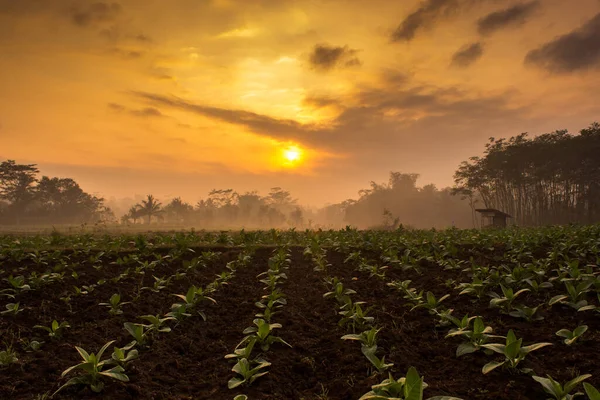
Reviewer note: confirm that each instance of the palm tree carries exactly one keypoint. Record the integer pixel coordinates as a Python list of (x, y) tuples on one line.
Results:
[(134, 213), (149, 207)]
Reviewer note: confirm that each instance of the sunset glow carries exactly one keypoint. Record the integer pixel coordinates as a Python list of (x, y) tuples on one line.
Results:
[(247, 94)]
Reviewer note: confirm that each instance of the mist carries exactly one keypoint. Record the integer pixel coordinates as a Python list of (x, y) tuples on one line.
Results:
[(552, 178)]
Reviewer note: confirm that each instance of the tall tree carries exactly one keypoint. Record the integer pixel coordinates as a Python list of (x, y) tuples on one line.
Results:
[(17, 186), (150, 207)]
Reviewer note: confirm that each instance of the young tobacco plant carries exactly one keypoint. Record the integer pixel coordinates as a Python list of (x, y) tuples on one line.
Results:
[(505, 301), (12, 309), (338, 292), (475, 337), (55, 330), (409, 387), (528, 313), (263, 332), (558, 391), (246, 373), (139, 333), (114, 304), (353, 315), (512, 351), (193, 297), (8, 357), (156, 323), (575, 297), (121, 356), (243, 352), (430, 303), (571, 337), (368, 347), (93, 370)]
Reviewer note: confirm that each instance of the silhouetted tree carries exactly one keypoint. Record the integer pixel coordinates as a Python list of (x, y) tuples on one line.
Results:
[(553, 178), (17, 186), (150, 207)]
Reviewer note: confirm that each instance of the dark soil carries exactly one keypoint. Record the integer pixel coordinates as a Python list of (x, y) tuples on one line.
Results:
[(189, 363)]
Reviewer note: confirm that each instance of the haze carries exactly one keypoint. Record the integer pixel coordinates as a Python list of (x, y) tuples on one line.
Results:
[(178, 98)]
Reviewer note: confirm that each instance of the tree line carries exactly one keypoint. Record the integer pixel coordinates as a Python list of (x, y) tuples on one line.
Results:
[(25, 199), (553, 178)]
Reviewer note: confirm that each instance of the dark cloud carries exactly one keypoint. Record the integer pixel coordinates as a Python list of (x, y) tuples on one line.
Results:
[(317, 101), (147, 112), (95, 13), (512, 16), (575, 51), (143, 38), (262, 124), (116, 107), (324, 57), (142, 112), (467, 55), (424, 17), (126, 54)]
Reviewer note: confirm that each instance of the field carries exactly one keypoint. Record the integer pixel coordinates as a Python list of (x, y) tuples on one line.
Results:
[(300, 315)]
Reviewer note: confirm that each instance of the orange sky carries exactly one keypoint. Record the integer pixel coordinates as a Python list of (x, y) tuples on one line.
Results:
[(179, 97)]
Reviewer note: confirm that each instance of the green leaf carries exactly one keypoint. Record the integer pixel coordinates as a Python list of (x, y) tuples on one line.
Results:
[(491, 366), (591, 391), (580, 330), (413, 386), (569, 386), (116, 373), (533, 347), (465, 348), (495, 347), (547, 384)]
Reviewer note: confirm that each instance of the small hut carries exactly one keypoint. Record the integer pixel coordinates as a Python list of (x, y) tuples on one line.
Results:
[(492, 218)]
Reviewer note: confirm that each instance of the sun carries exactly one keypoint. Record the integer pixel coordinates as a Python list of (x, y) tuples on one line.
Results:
[(292, 153)]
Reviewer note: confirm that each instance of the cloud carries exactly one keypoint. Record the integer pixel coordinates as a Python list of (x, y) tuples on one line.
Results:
[(94, 13), (258, 123), (147, 112), (379, 117), (424, 17), (512, 16), (324, 57), (318, 101), (116, 107), (467, 55), (575, 51)]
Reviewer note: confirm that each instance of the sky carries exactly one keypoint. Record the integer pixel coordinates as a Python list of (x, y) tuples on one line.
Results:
[(179, 97)]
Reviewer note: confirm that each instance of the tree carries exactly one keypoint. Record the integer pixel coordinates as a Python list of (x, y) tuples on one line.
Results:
[(149, 208), (553, 178), (178, 210), (17, 186)]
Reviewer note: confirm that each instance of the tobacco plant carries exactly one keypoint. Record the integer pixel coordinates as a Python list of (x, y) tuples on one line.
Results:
[(55, 330), (512, 351), (558, 391), (246, 373), (409, 387), (12, 309), (571, 337), (115, 304), (476, 337), (93, 368), (8, 357), (263, 332)]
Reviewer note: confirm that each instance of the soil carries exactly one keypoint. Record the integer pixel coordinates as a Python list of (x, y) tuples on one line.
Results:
[(189, 363)]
